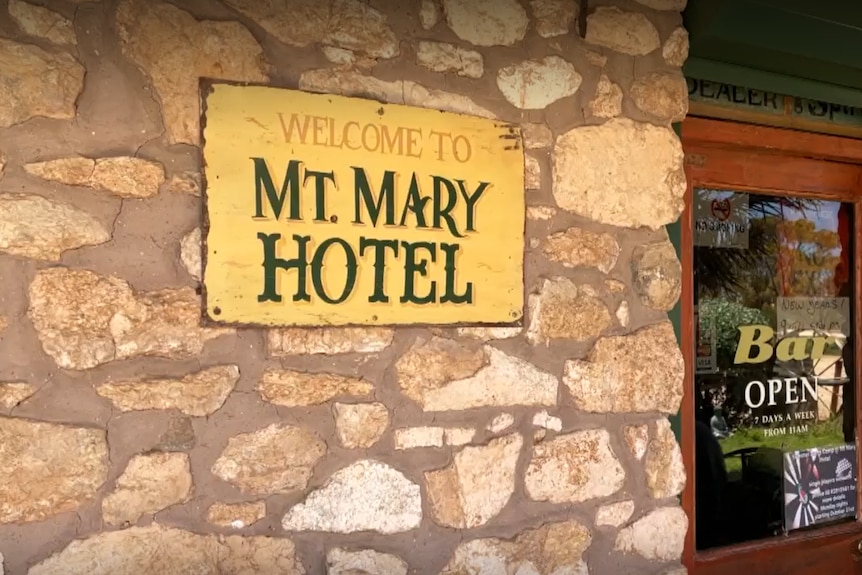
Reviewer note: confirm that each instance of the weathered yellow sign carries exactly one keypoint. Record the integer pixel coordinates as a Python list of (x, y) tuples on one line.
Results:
[(326, 210)]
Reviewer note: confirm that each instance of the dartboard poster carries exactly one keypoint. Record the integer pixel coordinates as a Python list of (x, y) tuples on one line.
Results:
[(819, 485)]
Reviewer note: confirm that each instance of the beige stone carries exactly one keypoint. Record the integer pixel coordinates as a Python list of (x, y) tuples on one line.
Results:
[(174, 49), (413, 437), (416, 437), (443, 57), (615, 514), (190, 253), (420, 96), (198, 394), (501, 423), (627, 32), (444, 375), (4, 322), (339, 56), (565, 310), (554, 17), (341, 561), (185, 183), (298, 389), (574, 467), (547, 421), (365, 496), (663, 95), (236, 515), (327, 340), (430, 363), (169, 551), (657, 275), (622, 173), (429, 14), (477, 485), (675, 49), (540, 213), (487, 22), (577, 247), (676, 5), (42, 23), (38, 228), (279, 458), (458, 436), (123, 176), (637, 438), (532, 173), (640, 372), (14, 392), (353, 83), (658, 536), (608, 99), (615, 286), (2, 164), (536, 84), (47, 469), (112, 322), (37, 83), (150, 483), (623, 314), (360, 425), (350, 24), (536, 136), (489, 333), (347, 58), (596, 59), (552, 549), (663, 465)]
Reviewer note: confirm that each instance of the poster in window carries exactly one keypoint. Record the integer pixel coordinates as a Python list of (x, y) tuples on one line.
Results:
[(819, 485)]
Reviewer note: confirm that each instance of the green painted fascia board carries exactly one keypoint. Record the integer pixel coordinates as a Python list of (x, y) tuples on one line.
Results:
[(821, 40), (783, 38), (771, 82)]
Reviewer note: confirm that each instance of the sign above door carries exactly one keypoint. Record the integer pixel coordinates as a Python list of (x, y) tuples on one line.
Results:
[(726, 101)]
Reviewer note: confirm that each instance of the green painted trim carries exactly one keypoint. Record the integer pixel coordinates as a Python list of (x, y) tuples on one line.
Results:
[(674, 232), (770, 82)]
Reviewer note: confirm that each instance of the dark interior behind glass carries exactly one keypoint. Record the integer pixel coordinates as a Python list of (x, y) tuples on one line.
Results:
[(773, 383)]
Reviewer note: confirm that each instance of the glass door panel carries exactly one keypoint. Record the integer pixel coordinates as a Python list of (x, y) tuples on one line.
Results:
[(775, 438)]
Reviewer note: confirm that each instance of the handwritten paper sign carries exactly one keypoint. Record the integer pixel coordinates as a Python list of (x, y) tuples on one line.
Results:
[(327, 210), (819, 314)]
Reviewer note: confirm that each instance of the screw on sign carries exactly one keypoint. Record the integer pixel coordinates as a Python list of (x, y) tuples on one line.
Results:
[(720, 209)]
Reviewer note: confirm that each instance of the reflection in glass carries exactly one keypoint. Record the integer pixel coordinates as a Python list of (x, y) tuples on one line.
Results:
[(775, 413)]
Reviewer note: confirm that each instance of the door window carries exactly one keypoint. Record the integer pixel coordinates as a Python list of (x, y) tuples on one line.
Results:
[(773, 364)]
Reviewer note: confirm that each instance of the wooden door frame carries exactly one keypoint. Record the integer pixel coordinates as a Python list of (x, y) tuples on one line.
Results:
[(815, 165)]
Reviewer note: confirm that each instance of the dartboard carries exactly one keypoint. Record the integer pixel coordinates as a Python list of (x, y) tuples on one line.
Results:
[(799, 499)]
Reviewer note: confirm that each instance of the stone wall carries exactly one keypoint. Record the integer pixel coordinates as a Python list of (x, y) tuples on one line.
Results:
[(134, 441)]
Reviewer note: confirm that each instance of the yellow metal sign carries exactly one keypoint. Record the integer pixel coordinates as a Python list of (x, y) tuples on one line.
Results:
[(327, 210)]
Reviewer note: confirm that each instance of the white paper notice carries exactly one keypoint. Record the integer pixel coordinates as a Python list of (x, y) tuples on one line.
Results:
[(721, 219)]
